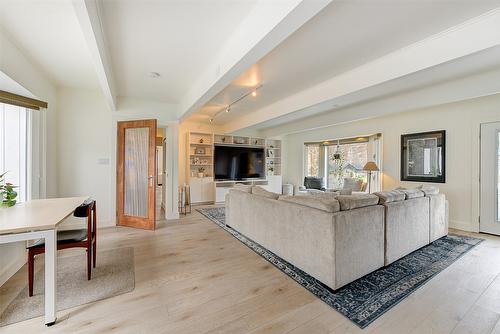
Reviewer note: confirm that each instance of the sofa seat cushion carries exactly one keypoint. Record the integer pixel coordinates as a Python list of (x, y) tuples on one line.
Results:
[(390, 196), (259, 191), (324, 204), (350, 202), (411, 193)]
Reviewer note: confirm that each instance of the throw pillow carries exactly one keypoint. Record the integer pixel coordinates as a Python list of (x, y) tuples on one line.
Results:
[(352, 184)]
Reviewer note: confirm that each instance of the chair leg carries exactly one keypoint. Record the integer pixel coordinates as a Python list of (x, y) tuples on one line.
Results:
[(89, 263), (94, 251), (31, 263)]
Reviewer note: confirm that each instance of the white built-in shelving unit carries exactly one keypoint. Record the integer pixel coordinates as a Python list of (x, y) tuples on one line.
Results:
[(200, 155)]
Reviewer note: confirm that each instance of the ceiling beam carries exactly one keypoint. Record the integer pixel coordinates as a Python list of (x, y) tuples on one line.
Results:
[(265, 27), (464, 88), (87, 12), (475, 35)]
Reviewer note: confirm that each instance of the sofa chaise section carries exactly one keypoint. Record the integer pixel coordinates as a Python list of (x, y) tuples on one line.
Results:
[(407, 224)]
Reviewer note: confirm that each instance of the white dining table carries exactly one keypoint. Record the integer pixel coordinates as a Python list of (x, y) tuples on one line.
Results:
[(39, 219)]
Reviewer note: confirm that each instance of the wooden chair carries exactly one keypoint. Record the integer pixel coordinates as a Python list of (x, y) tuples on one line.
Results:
[(85, 238)]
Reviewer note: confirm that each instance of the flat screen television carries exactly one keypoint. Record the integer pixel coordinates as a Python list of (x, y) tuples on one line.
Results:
[(238, 163)]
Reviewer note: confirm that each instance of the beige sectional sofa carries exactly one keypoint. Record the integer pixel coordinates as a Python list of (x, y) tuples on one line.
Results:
[(333, 245), (338, 238)]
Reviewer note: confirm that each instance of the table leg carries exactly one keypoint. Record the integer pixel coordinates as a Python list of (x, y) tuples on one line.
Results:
[(50, 276)]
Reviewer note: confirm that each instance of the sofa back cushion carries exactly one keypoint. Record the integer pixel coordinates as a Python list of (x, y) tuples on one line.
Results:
[(350, 202), (314, 182), (328, 205), (242, 187), (323, 194), (259, 191), (411, 192), (353, 184), (390, 196)]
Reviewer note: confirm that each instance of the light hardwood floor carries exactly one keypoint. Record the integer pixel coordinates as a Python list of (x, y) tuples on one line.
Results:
[(192, 277)]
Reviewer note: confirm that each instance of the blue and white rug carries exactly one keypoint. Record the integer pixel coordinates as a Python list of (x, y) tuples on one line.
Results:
[(367, 298)]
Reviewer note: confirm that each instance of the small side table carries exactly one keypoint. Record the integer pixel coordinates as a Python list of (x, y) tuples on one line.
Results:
[(287, 189), (184, 199)]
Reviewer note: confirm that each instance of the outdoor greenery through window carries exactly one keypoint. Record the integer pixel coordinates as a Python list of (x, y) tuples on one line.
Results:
[(335, 160), (14, 147), (352, 159), (312, 160)]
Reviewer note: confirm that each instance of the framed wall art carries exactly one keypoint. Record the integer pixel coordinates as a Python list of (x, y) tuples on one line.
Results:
[(423, 157)]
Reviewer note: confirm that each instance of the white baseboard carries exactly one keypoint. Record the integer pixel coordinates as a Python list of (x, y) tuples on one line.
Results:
[(464, 226), (10, 269)]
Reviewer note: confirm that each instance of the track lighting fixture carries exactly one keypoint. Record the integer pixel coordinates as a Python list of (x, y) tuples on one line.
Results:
[(227, 109)]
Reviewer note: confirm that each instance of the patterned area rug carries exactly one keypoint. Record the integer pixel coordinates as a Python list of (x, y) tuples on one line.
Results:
[(367, 298), (114, 275)]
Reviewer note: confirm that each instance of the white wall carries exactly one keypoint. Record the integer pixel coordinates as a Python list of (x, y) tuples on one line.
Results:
[(19, 68), (84, 151), (461, 120), (86, 131)]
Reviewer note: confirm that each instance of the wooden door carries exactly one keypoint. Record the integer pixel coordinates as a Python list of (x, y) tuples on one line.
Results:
[(135, 173)]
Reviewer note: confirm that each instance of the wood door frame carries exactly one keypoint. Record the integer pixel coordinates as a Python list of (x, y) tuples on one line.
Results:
[(147, 223)]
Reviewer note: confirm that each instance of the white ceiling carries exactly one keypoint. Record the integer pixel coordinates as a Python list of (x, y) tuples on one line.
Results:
[(48, 33), (9, 85), (175, 38), (345, 35)]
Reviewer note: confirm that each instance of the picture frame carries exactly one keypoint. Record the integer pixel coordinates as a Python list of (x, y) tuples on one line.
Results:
[(423, 157)]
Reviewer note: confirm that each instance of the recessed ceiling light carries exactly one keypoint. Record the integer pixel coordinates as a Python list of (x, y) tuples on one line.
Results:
[(254, 93), (154, 75)]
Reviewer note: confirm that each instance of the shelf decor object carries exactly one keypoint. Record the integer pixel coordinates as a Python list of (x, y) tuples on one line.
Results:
[(423, 157)]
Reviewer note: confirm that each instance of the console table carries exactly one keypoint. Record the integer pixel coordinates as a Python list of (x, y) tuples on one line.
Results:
[(39, 219)]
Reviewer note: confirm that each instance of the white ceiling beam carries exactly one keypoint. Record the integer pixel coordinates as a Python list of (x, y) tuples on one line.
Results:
[(480, 33), (461, 89), (265, 27), (87, 12)]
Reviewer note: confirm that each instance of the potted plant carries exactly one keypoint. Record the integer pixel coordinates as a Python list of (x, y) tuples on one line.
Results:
[(201, 172), (7, 193)]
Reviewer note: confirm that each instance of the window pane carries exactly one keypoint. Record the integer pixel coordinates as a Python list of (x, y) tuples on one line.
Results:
[(312, 160), (136, 171), (346, 160), (13, 147)]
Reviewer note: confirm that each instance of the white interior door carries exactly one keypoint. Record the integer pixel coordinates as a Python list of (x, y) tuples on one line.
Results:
[(490, 178)]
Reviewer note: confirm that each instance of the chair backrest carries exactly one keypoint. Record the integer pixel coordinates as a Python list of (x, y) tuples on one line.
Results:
[(353, 184), (88, 210), (83, 210), (314, 182)]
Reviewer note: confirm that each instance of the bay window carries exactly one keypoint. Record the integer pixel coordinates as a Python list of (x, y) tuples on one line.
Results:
[(335, 160)]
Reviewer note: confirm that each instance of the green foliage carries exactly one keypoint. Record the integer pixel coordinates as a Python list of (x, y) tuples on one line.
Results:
[(7, 193)]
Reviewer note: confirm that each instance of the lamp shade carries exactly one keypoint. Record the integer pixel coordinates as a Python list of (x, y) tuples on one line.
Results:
[(371, 166)]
